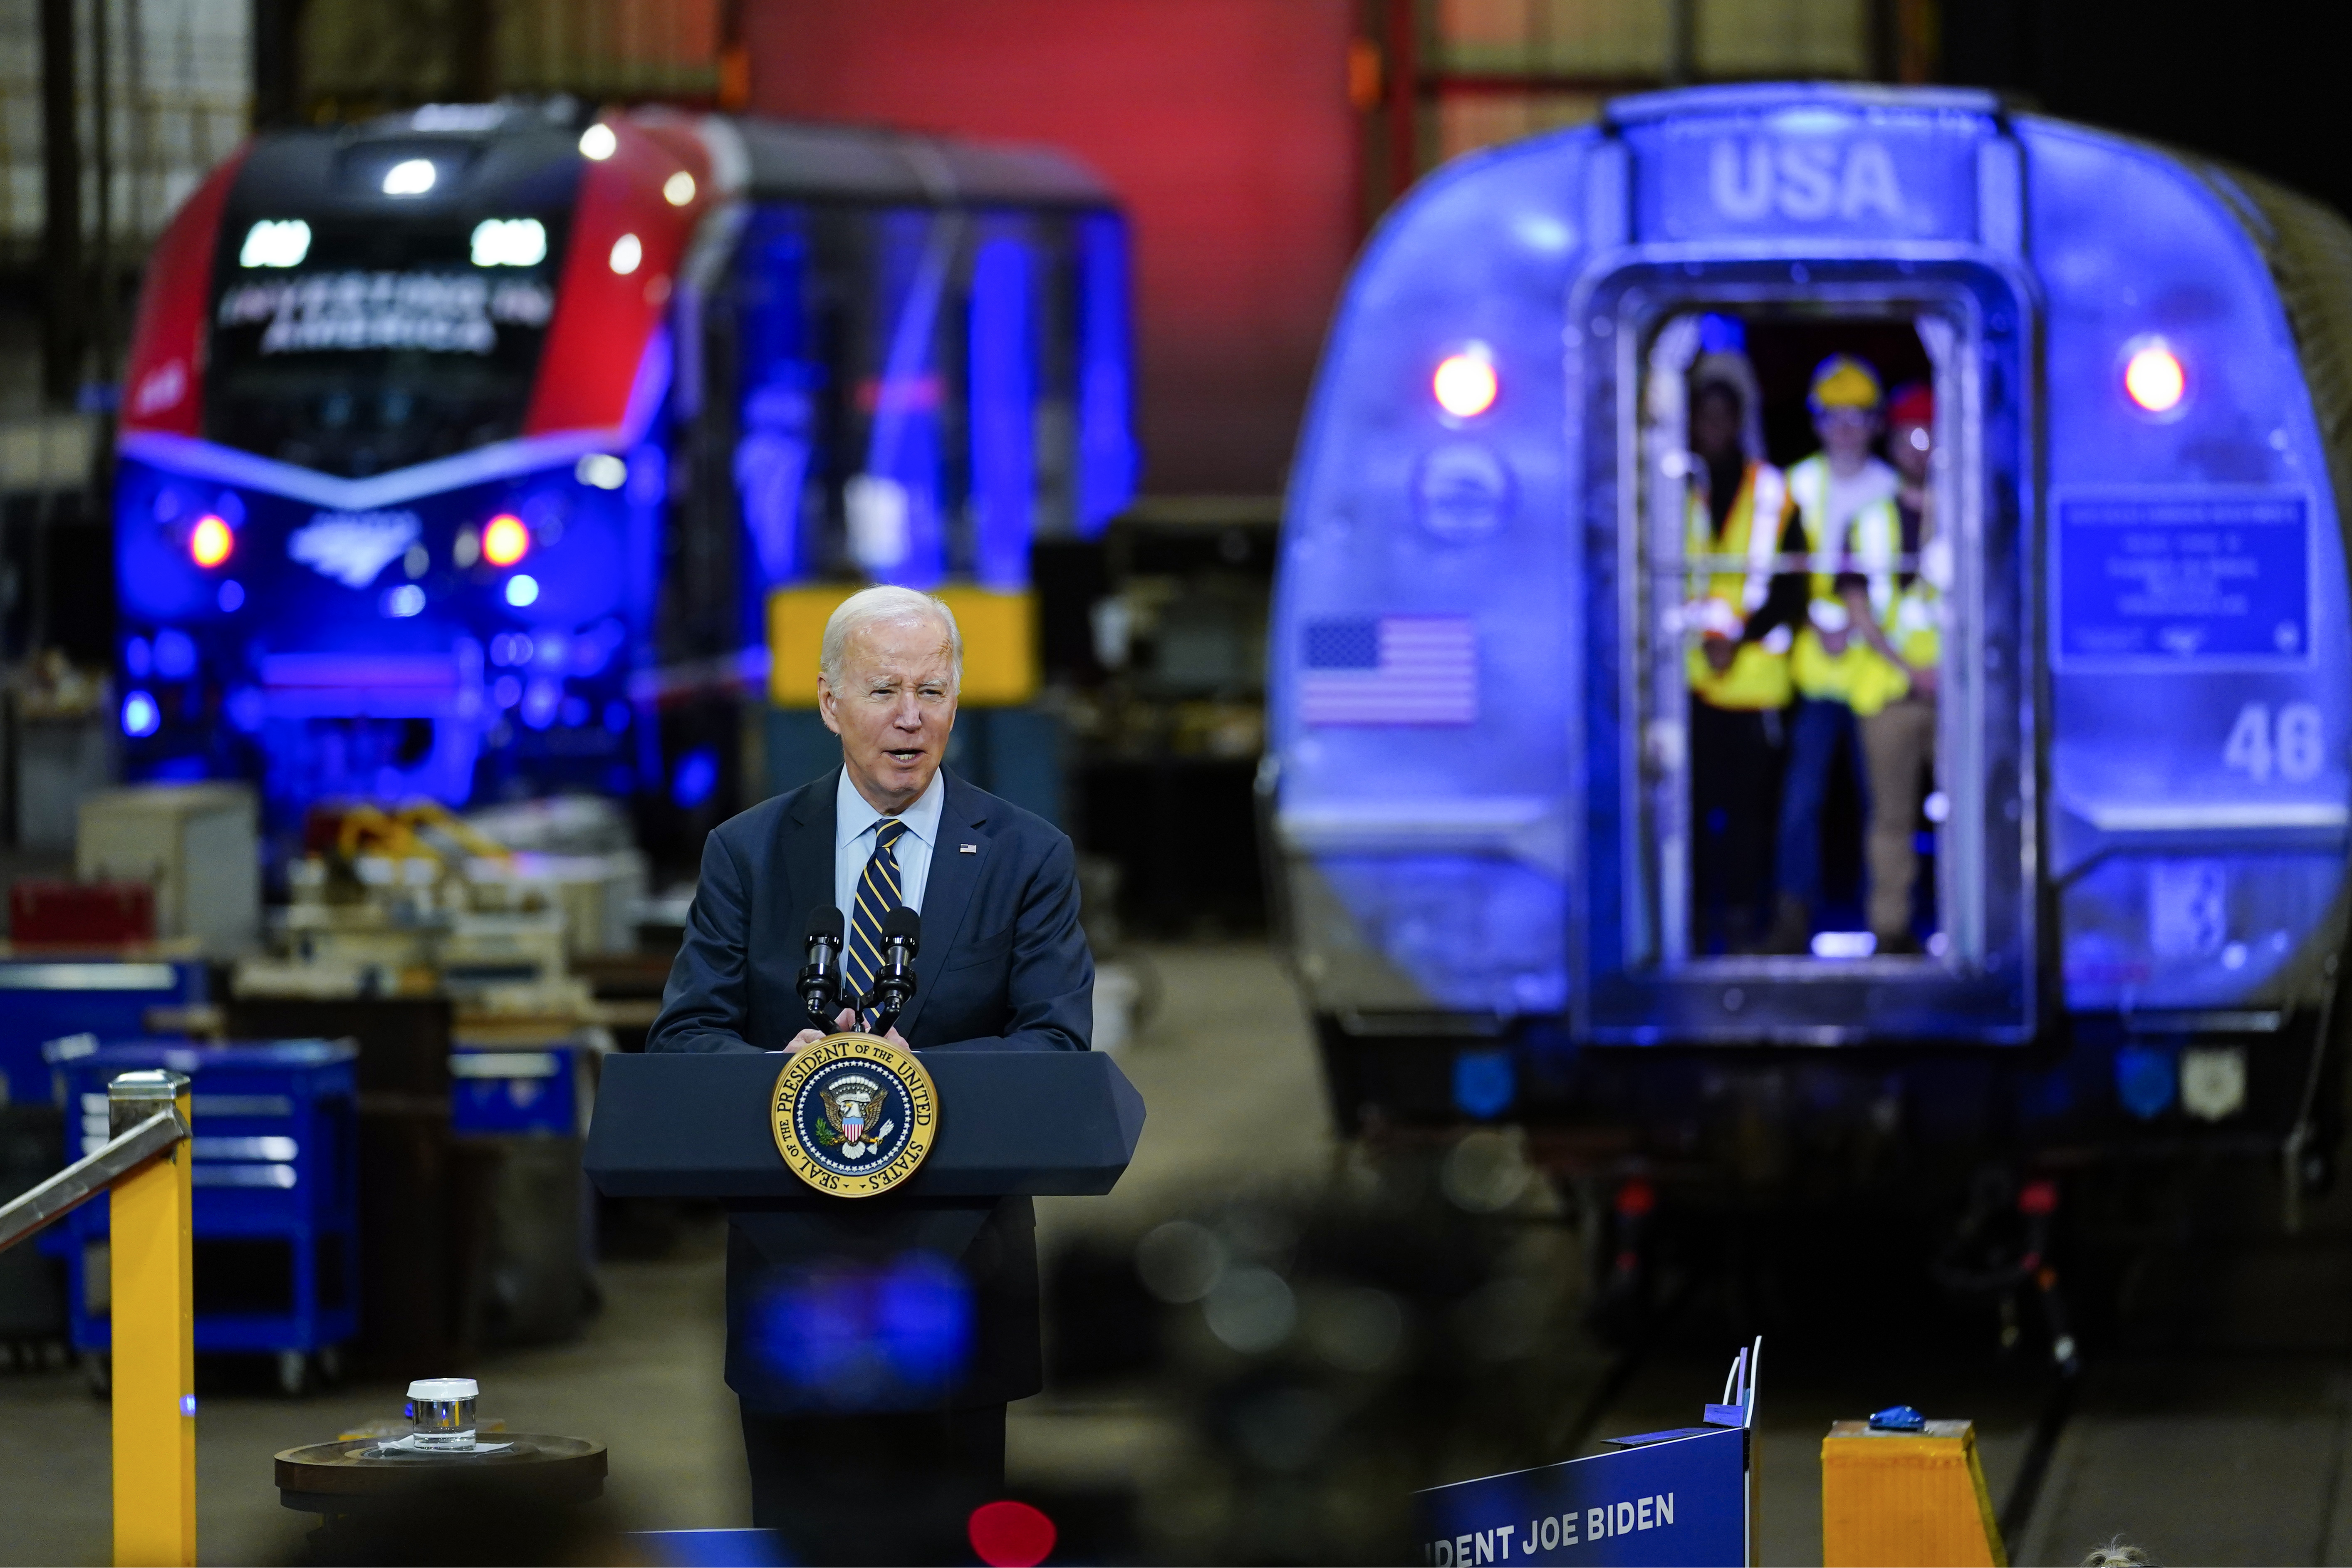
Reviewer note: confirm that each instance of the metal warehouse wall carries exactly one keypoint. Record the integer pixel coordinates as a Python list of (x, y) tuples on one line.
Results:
[(1224, 124)]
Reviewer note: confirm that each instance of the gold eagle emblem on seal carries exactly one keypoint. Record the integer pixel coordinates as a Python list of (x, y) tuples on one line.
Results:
[(854, 1115)]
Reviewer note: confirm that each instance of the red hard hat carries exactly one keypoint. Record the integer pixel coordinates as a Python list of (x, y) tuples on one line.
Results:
[(1913, 405)]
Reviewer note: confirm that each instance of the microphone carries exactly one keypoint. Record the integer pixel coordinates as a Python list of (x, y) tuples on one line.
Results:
[(902, 931), (820, 981)]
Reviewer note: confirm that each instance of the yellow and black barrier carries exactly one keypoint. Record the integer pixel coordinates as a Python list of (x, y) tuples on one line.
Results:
[(144, 1163)]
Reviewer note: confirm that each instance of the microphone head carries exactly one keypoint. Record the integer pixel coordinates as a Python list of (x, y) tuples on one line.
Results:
[(902, 923), (825, 921)]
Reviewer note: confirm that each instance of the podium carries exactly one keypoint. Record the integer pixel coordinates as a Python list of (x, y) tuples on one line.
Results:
[(900, 1300), (1011, 1124)]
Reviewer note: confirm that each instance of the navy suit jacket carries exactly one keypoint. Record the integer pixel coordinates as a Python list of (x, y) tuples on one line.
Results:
[(1002, 966)]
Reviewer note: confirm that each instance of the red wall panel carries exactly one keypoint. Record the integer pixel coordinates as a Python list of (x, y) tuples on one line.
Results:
[(1225, 128)]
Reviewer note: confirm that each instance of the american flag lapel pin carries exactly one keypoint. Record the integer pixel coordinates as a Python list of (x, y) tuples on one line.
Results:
[(966, 848)]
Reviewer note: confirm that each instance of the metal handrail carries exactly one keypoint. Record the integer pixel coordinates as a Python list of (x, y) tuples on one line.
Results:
[(87, 1177)]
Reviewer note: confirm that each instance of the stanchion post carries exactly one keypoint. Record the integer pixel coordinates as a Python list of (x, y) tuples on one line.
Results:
[(155, 1321)]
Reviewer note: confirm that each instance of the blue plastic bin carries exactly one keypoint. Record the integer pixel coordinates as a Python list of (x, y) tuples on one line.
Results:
[(276, 1173), (526, 1090)]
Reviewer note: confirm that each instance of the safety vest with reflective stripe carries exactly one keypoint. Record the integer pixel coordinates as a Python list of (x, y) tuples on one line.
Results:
[(1719, 600), (1911, 615), (1815, 671)]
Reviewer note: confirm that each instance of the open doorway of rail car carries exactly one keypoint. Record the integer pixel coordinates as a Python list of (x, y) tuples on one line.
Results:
[(1811, 738), (1813, 595)]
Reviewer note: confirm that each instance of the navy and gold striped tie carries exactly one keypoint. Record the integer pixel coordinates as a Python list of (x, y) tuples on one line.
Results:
[(878, 895)]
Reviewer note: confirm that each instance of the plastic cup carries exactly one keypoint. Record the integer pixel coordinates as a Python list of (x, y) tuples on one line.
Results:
[(443, 1410)]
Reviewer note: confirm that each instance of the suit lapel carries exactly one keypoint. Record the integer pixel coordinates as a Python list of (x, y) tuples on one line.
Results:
[(947, 891), (808, 851)]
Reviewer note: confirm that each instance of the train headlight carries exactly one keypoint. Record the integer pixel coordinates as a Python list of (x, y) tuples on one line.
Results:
[(679, 189), (505, 540), (2153, 377), (410, 177), (275, 242), (598, 143), (509, 242), (211, 542), (627, 252), (602, 469), (1464, 383)]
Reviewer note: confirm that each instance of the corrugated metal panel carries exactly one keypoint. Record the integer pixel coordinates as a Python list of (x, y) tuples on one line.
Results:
[(1782, 38), (359, 55), (1567, 37), (1467, 120), (609, 48), (2309, 249)]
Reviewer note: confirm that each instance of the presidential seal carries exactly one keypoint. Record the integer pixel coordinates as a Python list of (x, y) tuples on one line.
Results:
[(855, 1115)]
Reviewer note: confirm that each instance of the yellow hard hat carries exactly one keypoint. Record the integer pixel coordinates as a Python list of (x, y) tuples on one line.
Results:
[(1842, 381)]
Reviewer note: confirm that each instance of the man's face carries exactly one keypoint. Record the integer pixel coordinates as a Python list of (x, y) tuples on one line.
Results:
[(1715, 426), (893, 709), (1846, 435), (1910, 445)]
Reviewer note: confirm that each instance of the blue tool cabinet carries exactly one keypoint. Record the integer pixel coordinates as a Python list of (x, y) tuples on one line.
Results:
[(44, 997), (275, 1173)]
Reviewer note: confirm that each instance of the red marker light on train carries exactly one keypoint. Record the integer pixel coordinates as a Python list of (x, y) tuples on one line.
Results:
[(210, 541), (505, 540), (2154, 379), (1464, 383)]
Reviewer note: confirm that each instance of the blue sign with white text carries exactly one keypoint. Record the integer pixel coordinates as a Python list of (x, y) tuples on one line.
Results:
[(2184, 579), (1682, 1501)]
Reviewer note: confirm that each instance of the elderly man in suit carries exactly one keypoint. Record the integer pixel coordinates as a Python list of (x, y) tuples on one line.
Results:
[(873, 1345)]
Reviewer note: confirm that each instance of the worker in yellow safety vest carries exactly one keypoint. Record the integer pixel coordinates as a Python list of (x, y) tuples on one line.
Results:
[(1827, 658), (1740, 606), (1896, 570)]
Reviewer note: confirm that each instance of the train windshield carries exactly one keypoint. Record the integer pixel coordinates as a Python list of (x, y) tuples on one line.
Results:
[(383, 345)]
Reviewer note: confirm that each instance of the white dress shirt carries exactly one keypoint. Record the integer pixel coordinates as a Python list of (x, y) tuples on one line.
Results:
[(853, 842)]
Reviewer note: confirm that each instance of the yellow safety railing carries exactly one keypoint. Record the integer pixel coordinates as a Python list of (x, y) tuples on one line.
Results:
[(144, 1163)]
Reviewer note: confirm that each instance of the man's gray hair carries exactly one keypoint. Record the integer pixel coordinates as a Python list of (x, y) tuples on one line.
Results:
[(880, 607)]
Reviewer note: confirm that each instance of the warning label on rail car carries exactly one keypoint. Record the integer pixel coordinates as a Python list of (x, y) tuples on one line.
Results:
[(2183, 579)]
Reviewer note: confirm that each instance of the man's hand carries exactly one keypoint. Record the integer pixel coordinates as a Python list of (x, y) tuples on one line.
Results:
[(846, 1021), (1719, 652), (1925, 678)]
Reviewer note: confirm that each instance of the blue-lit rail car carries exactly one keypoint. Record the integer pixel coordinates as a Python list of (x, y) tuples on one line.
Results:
[(1479, 784), (460, 450)]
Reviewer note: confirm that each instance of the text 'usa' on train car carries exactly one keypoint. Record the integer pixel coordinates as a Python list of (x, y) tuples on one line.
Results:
[(1825, 609)]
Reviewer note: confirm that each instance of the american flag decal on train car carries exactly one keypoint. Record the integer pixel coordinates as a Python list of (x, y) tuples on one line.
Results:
[(1391, 670)]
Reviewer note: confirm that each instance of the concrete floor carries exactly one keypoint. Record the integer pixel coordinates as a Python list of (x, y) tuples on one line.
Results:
[(2221, 1435)]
